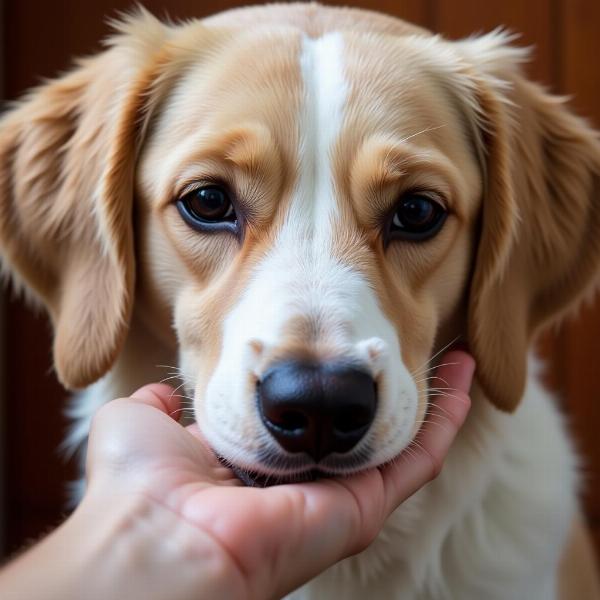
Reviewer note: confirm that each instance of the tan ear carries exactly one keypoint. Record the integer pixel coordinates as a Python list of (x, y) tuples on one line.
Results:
[(539, 248), (67, 154)]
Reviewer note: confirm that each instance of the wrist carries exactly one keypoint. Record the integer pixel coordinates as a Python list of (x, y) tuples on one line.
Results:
[(148, 551), (125, 546)]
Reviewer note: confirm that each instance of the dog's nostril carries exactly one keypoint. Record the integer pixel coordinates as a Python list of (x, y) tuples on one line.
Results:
[(292, 421), (352, 419), (318, 409)]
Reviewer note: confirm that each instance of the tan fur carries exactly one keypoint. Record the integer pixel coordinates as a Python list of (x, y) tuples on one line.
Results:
[(540, 244), (66, 207)]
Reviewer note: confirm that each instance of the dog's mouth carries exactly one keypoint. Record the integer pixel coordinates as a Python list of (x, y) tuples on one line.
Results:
[(254, 479), (262, 480)]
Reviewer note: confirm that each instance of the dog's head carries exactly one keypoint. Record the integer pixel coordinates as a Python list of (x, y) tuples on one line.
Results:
[(317, 204)]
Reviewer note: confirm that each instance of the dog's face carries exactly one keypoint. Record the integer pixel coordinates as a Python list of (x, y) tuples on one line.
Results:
[(316, 209), (315, 225)]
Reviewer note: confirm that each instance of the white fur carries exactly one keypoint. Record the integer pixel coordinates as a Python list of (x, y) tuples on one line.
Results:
[(313, 210), (292, 282), (300, 278)]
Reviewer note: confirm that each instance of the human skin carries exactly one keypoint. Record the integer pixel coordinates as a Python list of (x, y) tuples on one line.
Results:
[(162, 518)]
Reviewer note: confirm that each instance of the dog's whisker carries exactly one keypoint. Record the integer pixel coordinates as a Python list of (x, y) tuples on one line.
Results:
[(184, 396), (182, 410), (430, 372), (176, 373), (184, 399), (428, 419), (407, 454), (431, 377), (187, 404), (167, 367), (422, 131), (433, 367), (165, 379), (173, 393), (445, 395), (437, 354)]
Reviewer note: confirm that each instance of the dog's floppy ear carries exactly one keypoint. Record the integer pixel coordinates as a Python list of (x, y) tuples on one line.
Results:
[(67, 154), (539, 246)]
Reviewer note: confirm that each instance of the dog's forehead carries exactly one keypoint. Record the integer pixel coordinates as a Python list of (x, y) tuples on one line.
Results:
[(255, 77), (395, 86), (283, 82)]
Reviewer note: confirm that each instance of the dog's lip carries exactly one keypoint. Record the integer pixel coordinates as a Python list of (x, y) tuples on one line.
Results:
[(255, 479)]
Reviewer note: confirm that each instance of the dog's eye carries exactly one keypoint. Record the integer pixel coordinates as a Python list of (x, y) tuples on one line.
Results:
[(417, 217), (207, 207)]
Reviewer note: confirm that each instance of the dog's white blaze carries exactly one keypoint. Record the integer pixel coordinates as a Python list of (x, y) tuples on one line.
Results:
[(325, 89), (301, 279)]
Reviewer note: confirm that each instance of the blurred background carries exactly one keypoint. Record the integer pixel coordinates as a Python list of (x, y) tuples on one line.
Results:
[(39, 38)]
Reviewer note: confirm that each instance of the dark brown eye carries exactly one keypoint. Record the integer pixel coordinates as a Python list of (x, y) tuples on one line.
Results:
[(417, 217), (207, 207)]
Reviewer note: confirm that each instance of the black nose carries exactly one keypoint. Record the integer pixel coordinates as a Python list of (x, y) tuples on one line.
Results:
[(317, 408)]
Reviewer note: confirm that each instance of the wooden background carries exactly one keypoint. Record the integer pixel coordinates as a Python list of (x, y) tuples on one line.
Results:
[(39, 39)]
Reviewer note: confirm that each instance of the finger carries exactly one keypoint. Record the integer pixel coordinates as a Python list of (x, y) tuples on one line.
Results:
[(424, 458), (194, 429), (129, 432), (457, 369), (220, 472), (160, 396)]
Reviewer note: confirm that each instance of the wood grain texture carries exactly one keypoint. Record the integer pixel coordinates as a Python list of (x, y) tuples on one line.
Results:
[(579, 77), (532, 20)]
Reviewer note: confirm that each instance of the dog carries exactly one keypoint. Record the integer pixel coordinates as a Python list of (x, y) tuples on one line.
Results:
[(300, 206)]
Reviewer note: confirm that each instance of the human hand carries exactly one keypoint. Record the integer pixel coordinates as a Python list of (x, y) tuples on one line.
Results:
[(161, 518), (265, 542)]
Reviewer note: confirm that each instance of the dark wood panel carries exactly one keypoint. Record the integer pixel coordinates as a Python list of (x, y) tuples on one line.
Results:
[(579, 76), (532, 19), (36, 473), (42, 37)]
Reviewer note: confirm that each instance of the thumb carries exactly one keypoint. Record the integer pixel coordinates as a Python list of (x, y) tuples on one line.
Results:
[(160, 396)]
